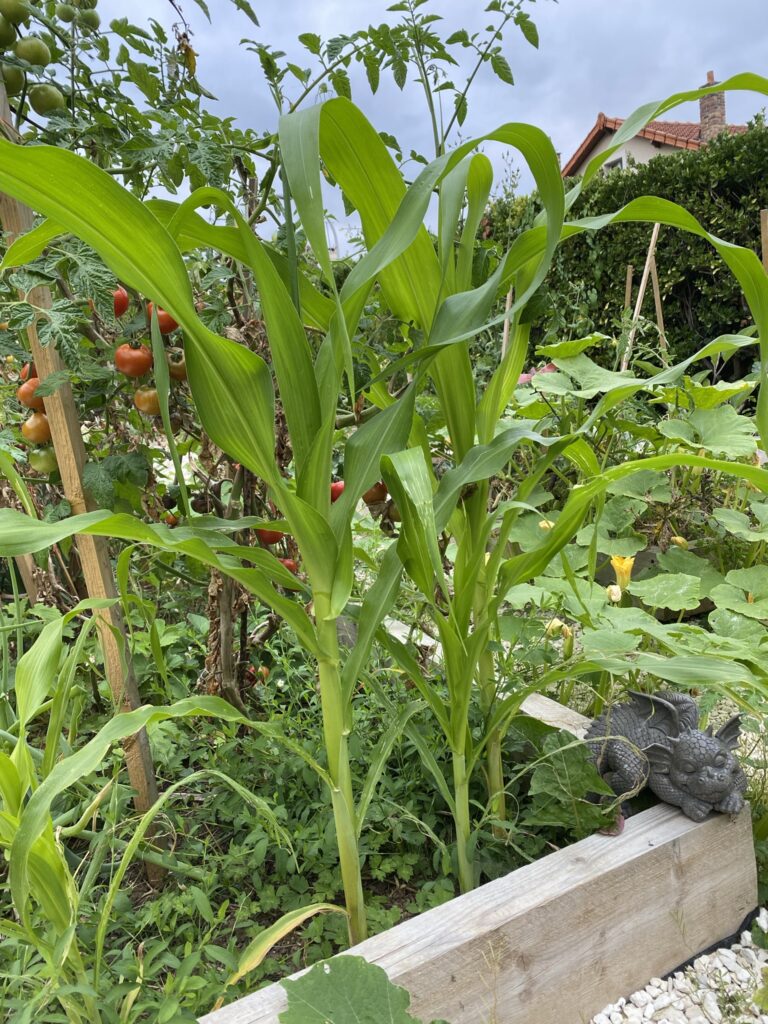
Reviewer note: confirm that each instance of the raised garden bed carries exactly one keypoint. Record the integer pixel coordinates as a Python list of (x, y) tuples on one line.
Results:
[(555, 941)]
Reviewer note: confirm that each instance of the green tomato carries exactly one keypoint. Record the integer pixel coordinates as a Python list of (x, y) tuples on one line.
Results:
[(14, 10), (7, 32), (43, 460), (13, 79), (86, 5), (45, 99), (65, 12), (89, 20), (34, 50)]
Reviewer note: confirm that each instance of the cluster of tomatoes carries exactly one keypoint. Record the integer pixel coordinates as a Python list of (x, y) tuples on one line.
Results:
[(44, 98), (36, 429), (134, 358)]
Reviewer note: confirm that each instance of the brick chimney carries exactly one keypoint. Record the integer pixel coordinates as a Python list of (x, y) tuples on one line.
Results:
[(711, 112)]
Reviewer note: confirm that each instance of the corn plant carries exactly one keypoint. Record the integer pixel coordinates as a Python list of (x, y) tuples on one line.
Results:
[(47, 896), (431, 292)]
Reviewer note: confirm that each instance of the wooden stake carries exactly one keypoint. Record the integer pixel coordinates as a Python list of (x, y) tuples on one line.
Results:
[(764, 236), (640, 296), (17, 219), (659, 312), (505, 333), (628, 286)]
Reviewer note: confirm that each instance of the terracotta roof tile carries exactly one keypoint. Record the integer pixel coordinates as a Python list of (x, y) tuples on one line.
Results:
[(680, 134)]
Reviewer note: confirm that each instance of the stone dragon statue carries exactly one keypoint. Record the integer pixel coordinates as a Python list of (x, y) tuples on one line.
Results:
[(692, 769)]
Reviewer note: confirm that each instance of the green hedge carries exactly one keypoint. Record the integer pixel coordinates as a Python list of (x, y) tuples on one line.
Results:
[(724, 185)]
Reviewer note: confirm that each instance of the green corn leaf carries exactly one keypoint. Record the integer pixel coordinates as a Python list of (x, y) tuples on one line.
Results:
[(380, 755), (383, 434), (30, 841), (291, 354), (409, 481), (21, 535), (376, 604), (256, 950), (255, 803), (30, 245), (193, 232)]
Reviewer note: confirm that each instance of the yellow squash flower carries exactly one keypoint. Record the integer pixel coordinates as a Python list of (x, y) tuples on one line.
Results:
[(622, 566)]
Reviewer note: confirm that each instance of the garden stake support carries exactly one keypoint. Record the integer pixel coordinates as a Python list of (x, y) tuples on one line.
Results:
[(640, 296), (17, 219), (628, 286), (659, 312)]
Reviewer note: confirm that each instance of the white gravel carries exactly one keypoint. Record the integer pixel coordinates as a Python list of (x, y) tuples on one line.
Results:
[(717, 988)]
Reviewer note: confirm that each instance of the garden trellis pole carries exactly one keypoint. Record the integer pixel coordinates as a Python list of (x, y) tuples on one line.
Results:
[(16, 219), (640, 296)]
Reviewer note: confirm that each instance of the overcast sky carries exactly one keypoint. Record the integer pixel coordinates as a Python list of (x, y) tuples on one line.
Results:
[(594, 55)]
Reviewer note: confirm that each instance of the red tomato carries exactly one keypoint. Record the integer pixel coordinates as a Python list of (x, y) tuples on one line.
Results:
[(122, 300), (290, 564), (133, 359), (376, 493), (27, 369), (165, 321), (269, 536), (26, 394), (145, 399), (337, 489), (37, 429)]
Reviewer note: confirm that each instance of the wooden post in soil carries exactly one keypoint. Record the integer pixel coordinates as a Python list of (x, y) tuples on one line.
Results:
[(628, 286), (16, 219), (640, 296)]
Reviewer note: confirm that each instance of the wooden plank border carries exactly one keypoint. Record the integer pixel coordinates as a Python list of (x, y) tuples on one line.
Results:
[(555, 941)]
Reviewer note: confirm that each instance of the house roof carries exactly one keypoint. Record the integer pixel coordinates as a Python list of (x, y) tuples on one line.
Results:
[(681, 134)]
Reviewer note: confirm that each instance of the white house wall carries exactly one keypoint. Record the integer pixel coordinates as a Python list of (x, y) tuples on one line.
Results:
[(641, 151)]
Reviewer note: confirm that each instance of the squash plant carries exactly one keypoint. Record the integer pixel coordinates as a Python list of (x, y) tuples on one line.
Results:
[(429, 290)]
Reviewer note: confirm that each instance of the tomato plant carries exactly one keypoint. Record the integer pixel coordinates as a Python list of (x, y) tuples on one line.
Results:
[(165, 321), (36, 428), (269, 537), (26, 394), (146, 400), (43, 460), (133, 359), (177, 363), (122, 301)]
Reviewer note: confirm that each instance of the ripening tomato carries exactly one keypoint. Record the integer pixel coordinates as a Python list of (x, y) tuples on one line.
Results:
[(376, 493), (171, 519), (122, 300), (133, 359), (165, 321), (26, 394), (37, 429), (145, 399), (337, 489), (177, 363), (290, 564), (27, 369), (269, 536), (43, 460)]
